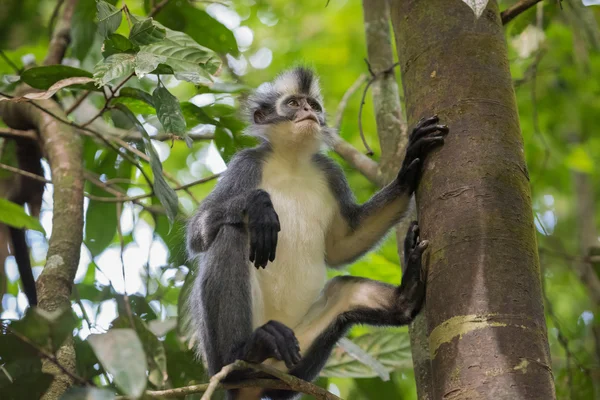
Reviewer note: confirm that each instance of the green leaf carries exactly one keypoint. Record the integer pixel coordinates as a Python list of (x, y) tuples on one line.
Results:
[(121, 354), (47, 329), (203, 28), (182, 54), (165, 194), (225, 143), (113, 67), (154, 349), (146, 63), (46, 76), (14, 215), (83, 28), (24, 379), (146, 32), (101, 216), (169, 113), (390, 347), (87, 393), (109, 18), (136, 93), (195, 115), (116, 43)]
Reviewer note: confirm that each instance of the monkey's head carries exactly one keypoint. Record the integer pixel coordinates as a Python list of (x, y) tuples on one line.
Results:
[(289, 110)]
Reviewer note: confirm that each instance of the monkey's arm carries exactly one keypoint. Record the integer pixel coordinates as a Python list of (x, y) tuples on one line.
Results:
[(236, 201), (356, 229)]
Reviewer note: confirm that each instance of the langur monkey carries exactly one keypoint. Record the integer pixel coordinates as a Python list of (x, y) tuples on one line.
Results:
[(279, 216)]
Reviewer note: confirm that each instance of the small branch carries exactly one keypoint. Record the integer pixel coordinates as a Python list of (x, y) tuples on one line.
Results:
[(18, 134), (61, 36), (513, 11), (9, 62), (358, 160), (194, 389), (157, 8), (59, 3), (95, 134), (78, 102), (113, 94), (339, 113), (294, 383), (24, 173), (50, 357)]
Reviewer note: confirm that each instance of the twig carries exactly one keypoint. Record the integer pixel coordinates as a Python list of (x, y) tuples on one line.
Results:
[(122, 199), (24, 173), (339, 113), (18, 134), (113, 93), (9, 62), (51, 357), (78, 102), (511, 12), (374, 76), (157, 8), (194, 389), (294, 383), (53, 16), (96, 134), (117, 192)]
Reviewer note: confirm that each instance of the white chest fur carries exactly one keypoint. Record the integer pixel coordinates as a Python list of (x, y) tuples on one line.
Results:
[(286, 288)]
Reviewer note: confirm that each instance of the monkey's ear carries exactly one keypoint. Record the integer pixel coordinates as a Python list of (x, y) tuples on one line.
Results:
[(260, 116)]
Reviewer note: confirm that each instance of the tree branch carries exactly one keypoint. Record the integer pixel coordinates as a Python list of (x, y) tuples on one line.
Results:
[(49, 356), (352, 156), (511, 12), (24, 173), (294, 383), (18, 134), (61, 36), (344, 101), (349, 153), (157, 8)]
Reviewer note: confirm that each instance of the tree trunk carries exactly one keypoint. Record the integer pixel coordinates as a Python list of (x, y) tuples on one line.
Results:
[(487, 332)]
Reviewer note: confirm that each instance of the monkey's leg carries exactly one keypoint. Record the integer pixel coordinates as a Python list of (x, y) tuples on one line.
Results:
[(346, 301), (224, 300)]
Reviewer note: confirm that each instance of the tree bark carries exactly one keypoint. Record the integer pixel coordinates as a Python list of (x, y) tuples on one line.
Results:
[(63, 149), (392, 134), (487, 332)]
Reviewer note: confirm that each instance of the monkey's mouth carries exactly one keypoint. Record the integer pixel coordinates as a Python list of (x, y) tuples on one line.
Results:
[(307, 118)]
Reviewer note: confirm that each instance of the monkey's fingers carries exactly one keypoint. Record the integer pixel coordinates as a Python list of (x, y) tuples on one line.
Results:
[(286, 342), (412, 234), (260, 249), (273, 244), (252, 245), (424, 122), (442, 129)]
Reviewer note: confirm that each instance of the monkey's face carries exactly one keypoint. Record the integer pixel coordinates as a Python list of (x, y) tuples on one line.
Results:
[(305, 113), (295, 118)]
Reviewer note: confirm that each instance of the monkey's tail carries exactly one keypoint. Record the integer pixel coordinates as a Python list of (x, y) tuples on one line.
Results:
[(21, 253)]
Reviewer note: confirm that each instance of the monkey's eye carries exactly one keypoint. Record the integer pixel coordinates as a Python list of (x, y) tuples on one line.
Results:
[(315, 105), (293, 103)]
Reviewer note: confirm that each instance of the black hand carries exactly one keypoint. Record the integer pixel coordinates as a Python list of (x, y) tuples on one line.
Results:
[(426, 136), (273, 340), (413, 250), (263, 225)]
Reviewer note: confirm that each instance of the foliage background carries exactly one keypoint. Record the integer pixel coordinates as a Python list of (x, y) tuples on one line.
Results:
[(555, 62)]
